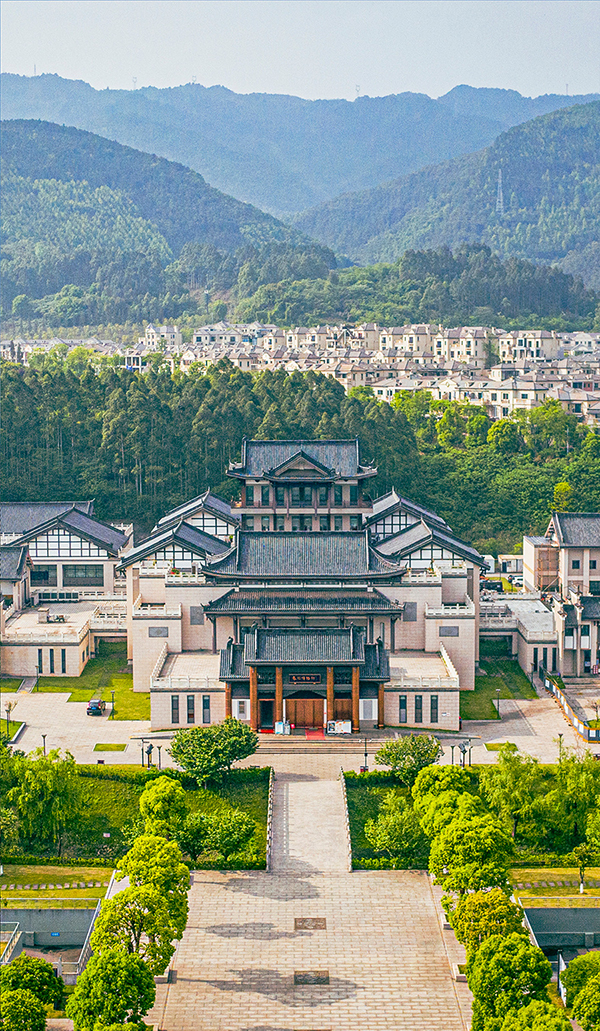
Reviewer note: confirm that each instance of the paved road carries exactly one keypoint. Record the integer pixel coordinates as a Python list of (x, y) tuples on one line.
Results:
[(381, 945)]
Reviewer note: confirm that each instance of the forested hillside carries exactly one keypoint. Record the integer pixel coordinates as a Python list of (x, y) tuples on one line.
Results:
[(141, 444), (550, 171), (127, 234), (281, 153), (470, 287)]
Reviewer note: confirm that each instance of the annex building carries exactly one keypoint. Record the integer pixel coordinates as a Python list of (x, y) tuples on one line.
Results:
[(305, 603)]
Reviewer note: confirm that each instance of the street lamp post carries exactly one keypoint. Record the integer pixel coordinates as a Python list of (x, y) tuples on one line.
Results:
[(44, 736), (112, 711), (159, 748), (498, 701), (142, 746), (560, 740), (452, 747)]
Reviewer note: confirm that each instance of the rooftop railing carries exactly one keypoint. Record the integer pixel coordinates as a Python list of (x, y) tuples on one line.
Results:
[(466, 609), (155, 610)]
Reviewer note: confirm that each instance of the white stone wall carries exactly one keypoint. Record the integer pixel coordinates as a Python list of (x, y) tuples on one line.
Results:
[(448, 709), (160, 708)]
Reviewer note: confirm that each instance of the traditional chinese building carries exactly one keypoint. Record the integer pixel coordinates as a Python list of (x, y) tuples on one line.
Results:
[(322, 606)]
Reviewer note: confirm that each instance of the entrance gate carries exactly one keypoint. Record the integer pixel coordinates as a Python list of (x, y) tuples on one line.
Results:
[(307, 713)]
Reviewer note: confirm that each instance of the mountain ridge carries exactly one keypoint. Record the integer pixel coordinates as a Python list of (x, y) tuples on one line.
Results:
[(283, 154)]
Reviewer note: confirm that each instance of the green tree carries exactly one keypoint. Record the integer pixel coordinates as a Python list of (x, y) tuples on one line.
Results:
[(228, 831), (566, 807), (115, 987), (433, 780), (451, 428), (480, 914), (21, 1010), (397, 832), (511, 786), (586, 1008), (536, 1016), (408, 755), (35, 975), (237, 741), (437, 811), (584, 856), (163, 806), (579, 971), (9, 830), (504, 437), (154, 862), (47, 795), (505, 973), (562, 497), (191, 835), (471, 854), (138, 921)]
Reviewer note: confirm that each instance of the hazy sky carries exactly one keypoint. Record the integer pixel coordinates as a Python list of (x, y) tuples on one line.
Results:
[(310, 48)]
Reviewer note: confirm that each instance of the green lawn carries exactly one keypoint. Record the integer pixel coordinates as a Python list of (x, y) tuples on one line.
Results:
[(497, 672), (56, 875), (99, 679), (13, 726), (10, 686), (109, 747), (364, 799)]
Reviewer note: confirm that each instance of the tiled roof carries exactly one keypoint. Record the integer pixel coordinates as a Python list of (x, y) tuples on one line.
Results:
[(298, 646), (267, 601), (189, 537), (578, 530), (89, 527), (19, 517), (300, 555), (259, 456), (206, 502), (393, 502), (13, 559), (590, 608), (413, 537)]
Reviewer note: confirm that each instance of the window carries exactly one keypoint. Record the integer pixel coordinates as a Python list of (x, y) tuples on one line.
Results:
[(594, 586), (191, 708), (448, 631), (40, 661), (504, 412), (575, 564), (323, 496), (265, 524), (249, 496), (280, 495), (418, 708), (63, 660), (44, 575), (196, 615), (433, 709), (51, 653), (264, 495), (83, 576), (535, 658), (403, 718), (337, 496), (353, 494), (323, 522), (241, 707), (206, 708), (280, 522), (592, 563), (585, 630), (354, 522), (174, 708), (247, 522), (337, 523)]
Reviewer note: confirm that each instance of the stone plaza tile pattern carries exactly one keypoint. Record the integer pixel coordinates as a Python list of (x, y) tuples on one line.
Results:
[(382, 946)]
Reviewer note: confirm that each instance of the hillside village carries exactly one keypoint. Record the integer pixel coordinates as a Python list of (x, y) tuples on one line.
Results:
[(501, 371)]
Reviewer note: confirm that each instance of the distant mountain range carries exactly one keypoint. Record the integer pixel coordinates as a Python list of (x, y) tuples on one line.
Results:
[(281, 153), (547, 209), (85, 212)]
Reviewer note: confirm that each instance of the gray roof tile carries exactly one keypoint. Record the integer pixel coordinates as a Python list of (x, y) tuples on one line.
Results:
[(301, 555), (19, 517), (578, 530), (340, 456), (263, 601), (13, 559)]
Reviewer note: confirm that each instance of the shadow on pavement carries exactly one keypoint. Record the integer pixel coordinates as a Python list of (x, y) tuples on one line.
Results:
[(260, 932), (277, 887), (271, 984)]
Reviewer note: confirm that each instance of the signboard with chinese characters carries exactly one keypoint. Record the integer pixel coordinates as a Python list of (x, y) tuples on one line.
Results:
[(305, 678)]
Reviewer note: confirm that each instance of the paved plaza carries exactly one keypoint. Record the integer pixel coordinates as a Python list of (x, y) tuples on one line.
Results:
[(372, 938)]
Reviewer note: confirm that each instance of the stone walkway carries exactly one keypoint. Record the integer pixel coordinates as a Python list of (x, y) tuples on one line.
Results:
[(310, 947)]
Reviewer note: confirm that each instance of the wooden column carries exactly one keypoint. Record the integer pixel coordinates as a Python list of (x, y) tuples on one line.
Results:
[(381, 708), (278, 694), (227, 701), (253, 698), (355, 696), (330, 694)]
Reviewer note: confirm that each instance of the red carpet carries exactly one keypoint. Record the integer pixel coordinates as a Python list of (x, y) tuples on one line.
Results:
[(315, 735)]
